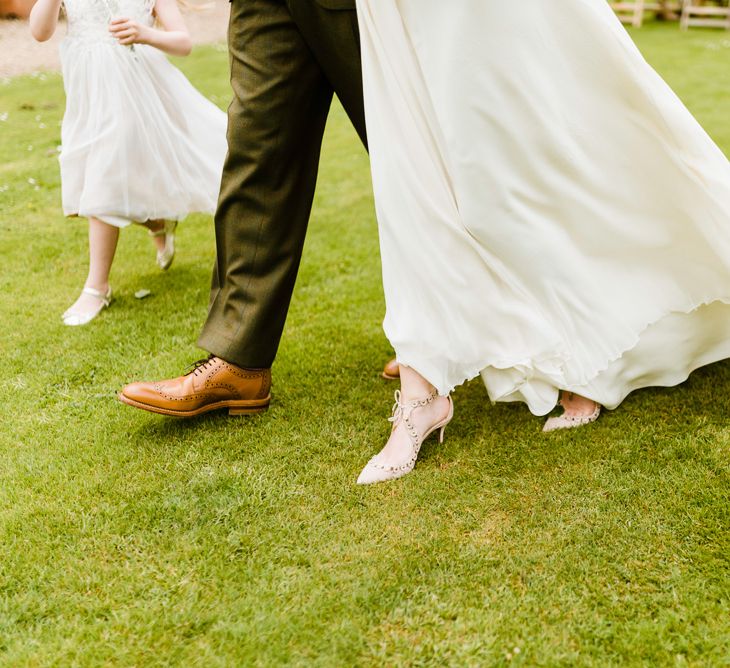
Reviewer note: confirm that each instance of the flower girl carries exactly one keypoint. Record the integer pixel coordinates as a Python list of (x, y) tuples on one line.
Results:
[(139, 143)]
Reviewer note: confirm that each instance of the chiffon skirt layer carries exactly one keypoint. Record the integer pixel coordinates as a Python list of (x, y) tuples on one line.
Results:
[(139, 142), (551, 215)]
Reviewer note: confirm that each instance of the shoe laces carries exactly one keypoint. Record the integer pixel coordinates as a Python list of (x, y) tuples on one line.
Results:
[(196, 368), (399, 408)]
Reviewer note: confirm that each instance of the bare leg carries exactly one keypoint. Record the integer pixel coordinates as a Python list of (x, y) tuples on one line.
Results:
[(413, 386), (102, 247), (156, 226)]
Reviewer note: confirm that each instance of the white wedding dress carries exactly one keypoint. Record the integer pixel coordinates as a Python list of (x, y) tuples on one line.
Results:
[(551, 215), (138, 141)]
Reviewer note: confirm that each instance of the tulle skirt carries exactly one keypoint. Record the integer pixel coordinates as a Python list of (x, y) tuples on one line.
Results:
[(139, 142), (551, 215)]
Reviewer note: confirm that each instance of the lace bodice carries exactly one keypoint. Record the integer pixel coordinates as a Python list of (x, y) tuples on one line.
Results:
[(88, 20)]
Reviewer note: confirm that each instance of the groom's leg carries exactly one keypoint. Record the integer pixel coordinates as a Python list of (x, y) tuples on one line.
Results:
[(334, 38), (275, 127)]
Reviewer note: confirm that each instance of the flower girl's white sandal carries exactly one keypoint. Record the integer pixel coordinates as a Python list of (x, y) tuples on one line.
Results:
[(167, 255), (402, 412), (76, 318), (571, 421)]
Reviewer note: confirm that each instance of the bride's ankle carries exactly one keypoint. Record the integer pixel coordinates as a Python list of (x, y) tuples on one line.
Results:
[(418, 392), (575, 404)]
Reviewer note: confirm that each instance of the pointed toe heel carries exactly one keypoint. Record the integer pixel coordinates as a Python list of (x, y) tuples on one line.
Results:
[(571, 421), (376, 472)]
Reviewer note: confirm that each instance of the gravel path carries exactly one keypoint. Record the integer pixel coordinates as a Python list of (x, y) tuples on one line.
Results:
[(21, 54)]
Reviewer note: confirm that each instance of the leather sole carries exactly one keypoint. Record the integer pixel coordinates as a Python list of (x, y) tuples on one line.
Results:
[(240, 407), (387, 376)]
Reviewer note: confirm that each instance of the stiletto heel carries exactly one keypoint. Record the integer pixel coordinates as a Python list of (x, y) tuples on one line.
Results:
[(374, 471)]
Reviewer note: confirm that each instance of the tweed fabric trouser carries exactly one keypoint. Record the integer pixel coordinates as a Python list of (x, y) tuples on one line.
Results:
[(288, 58)]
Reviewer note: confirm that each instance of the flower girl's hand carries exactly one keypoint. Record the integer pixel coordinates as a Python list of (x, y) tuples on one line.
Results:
[(171, 36), (128, 31)]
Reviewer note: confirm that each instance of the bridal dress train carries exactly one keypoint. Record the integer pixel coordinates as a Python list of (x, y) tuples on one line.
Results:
[(551, 215)]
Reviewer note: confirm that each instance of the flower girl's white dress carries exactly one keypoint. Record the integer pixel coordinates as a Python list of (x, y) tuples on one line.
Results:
[(551, 215), (138, 141)]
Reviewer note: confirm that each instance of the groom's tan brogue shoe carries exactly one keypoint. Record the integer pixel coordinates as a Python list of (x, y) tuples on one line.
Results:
[(212, 385), (391, 371)]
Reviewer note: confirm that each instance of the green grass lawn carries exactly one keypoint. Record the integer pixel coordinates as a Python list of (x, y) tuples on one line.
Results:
[(134, 540)]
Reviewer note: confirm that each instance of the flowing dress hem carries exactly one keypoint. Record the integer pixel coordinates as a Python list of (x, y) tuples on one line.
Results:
[(551, 369)]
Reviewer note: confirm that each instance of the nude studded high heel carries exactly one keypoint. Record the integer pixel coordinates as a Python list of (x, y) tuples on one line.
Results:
[(167, 255), (374, 471), (571, 421), (76, 318)]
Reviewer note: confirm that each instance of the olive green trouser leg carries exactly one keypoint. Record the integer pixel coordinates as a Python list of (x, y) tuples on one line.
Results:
[(288, 57)]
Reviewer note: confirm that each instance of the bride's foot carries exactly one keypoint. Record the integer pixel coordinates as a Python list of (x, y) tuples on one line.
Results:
[(90, 303), (413, 422), (578, 411)]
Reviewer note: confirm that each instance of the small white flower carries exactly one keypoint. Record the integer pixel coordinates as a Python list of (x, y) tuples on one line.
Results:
[(4, 188), (32, 181), (37, 117), (30, 148), (36, 187), (4, 116), (516, 650)]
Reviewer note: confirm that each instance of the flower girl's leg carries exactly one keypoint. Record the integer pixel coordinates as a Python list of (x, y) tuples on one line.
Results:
[(102, 246), (156, 226), (103, 240)]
